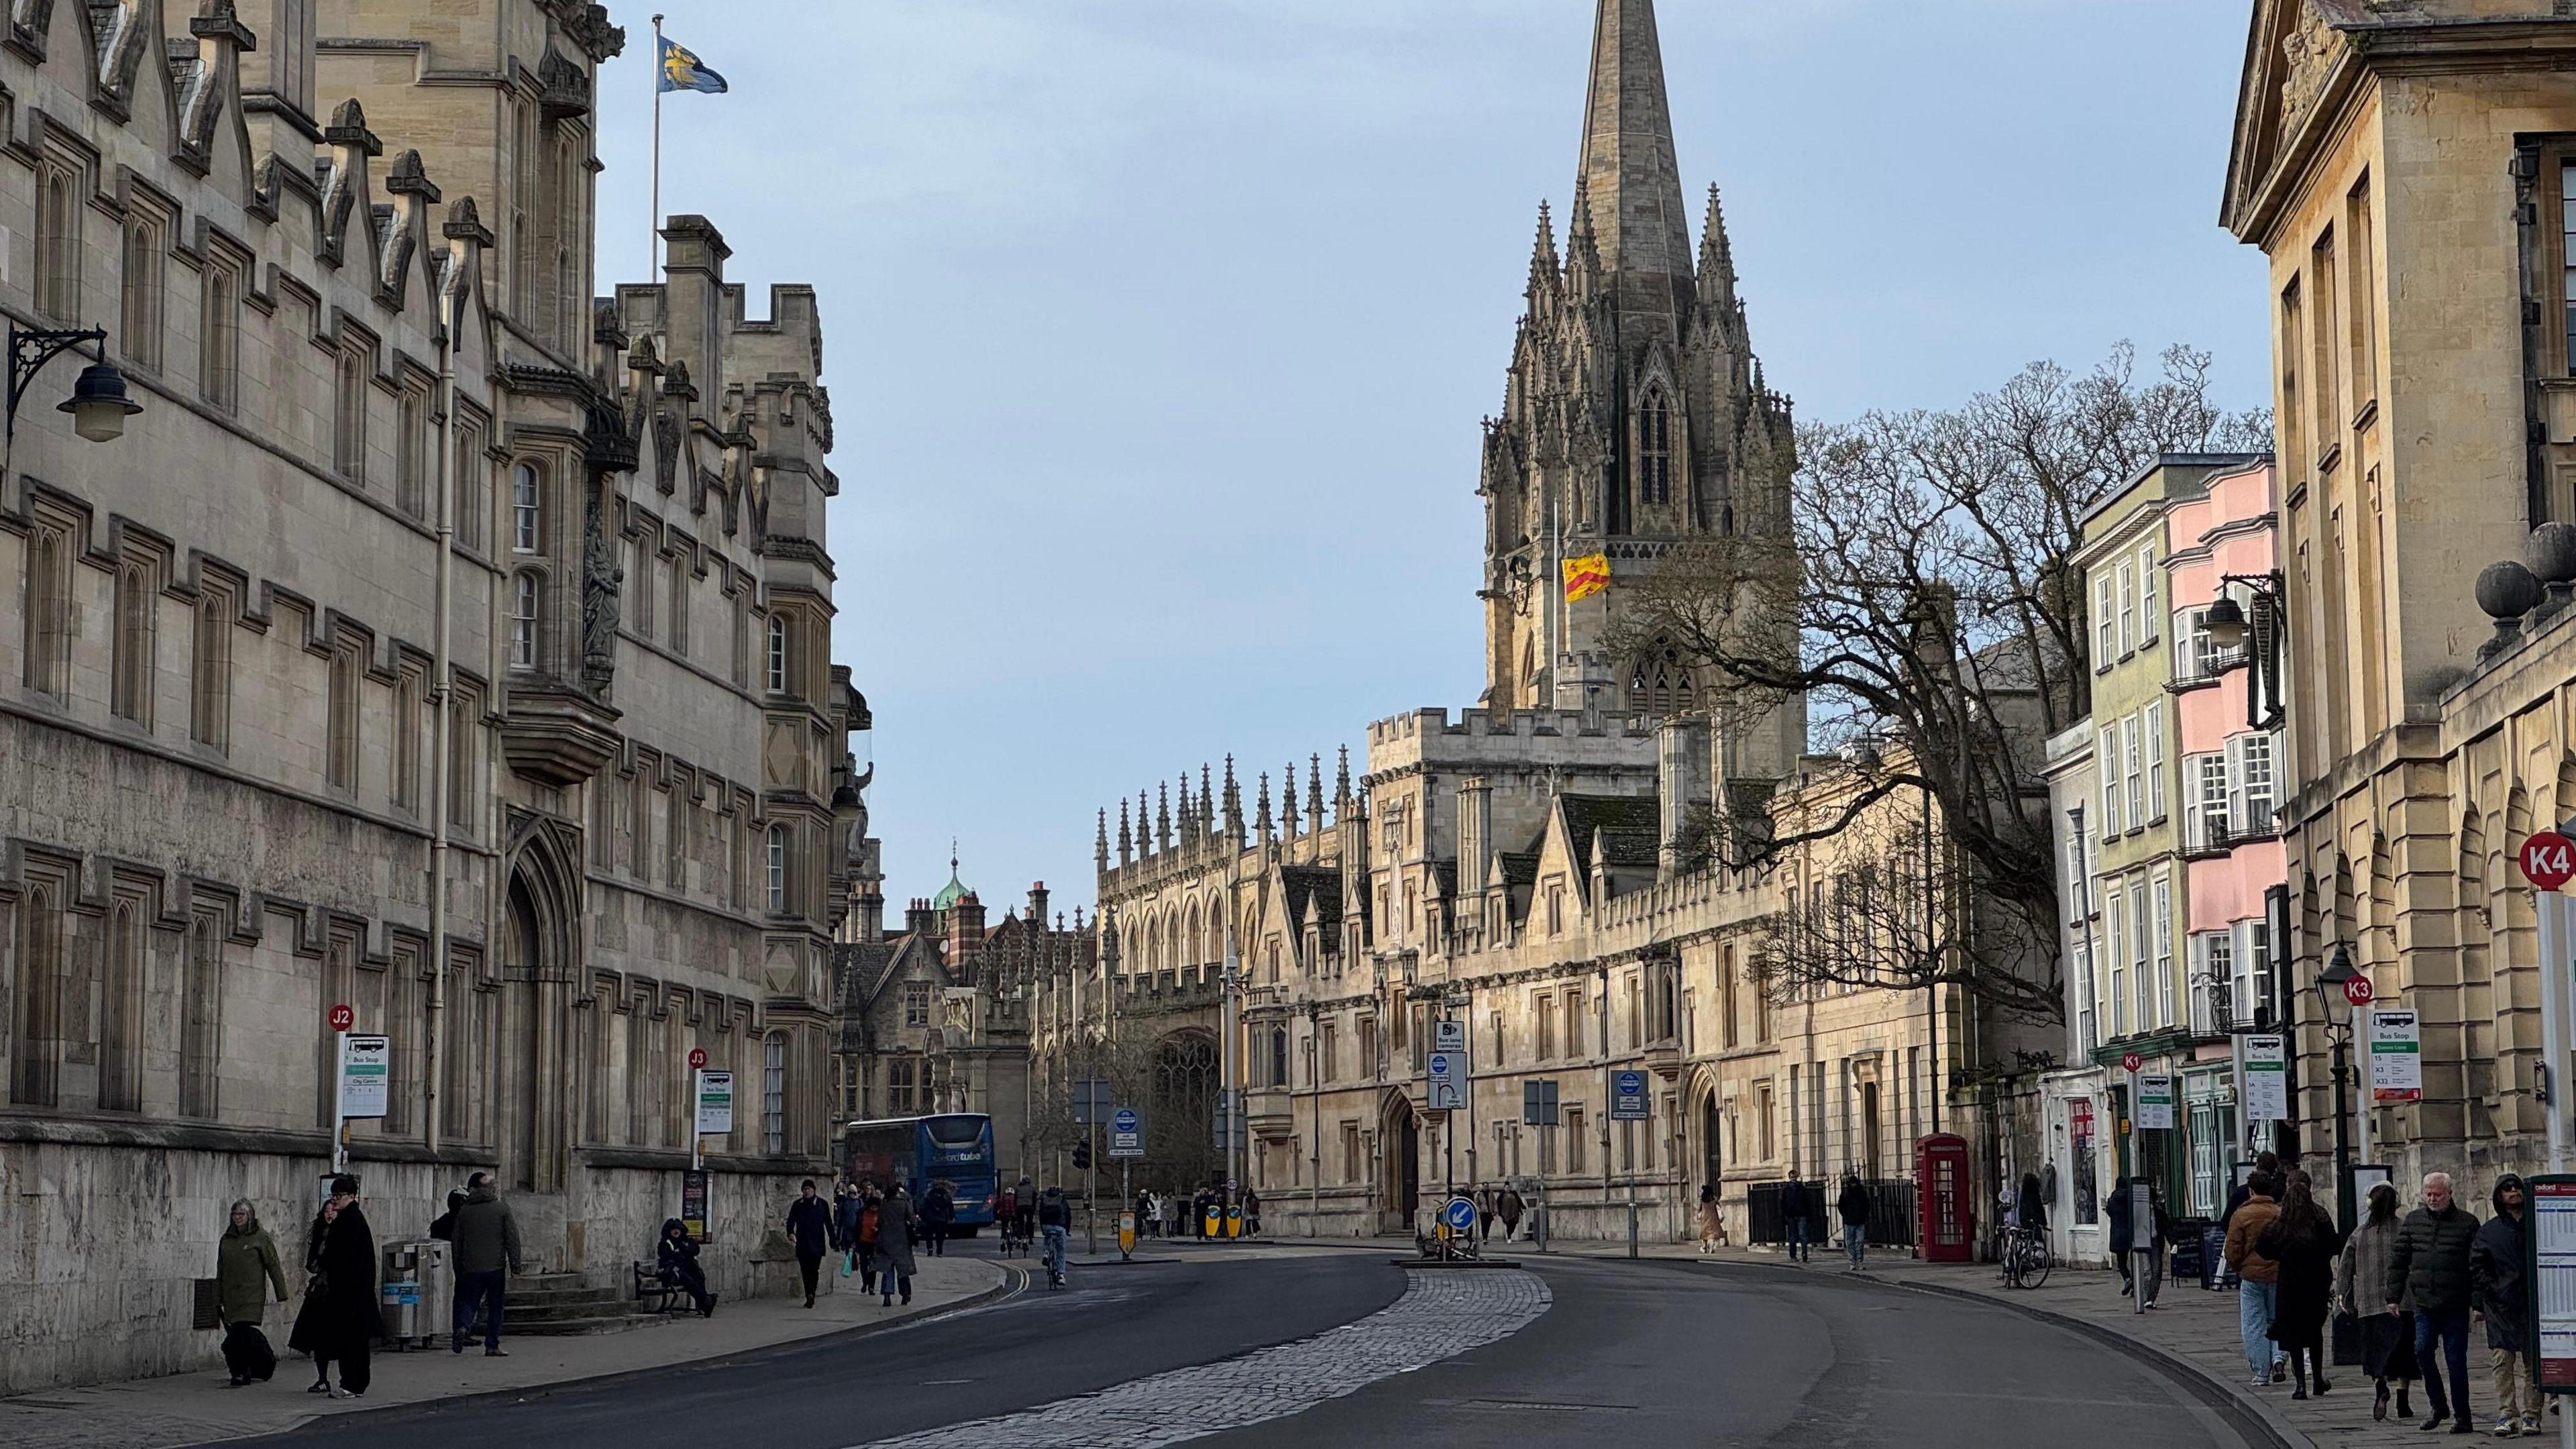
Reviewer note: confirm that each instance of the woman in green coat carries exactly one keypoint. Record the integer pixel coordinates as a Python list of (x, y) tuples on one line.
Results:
[(246, 1271)]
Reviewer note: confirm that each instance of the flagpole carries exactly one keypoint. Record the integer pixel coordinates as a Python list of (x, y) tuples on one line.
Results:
[(654, 251)]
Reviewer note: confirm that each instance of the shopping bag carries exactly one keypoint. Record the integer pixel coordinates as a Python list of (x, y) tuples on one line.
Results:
[(2347, 1340)]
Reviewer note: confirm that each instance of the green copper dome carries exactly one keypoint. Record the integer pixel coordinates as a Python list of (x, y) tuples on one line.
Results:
[(951, 892)]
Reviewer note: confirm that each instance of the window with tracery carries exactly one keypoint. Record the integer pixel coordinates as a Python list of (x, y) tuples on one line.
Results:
[(1659, 683), (1655, 448)]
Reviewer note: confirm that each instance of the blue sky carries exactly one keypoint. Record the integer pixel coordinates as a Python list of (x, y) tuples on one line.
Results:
[(1158, 331)]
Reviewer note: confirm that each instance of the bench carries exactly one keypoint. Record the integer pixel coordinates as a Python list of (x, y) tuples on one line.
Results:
[(657, 1296)]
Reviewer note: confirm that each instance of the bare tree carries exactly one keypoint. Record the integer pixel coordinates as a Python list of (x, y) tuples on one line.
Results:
[(1169, 1078), (1927, 607)]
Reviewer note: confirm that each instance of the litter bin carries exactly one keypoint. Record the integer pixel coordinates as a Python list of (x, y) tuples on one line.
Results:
[(416, 1291)]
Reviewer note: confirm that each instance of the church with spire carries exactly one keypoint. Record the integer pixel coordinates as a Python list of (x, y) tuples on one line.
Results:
[(1528, 884)]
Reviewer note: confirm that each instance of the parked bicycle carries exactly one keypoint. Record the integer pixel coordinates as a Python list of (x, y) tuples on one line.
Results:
[(2025, 1257)]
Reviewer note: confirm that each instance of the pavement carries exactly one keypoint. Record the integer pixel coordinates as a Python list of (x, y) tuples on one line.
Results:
[(197, 1408)]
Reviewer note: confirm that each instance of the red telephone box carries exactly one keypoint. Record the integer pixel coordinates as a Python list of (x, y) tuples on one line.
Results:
[(1945, 1226)]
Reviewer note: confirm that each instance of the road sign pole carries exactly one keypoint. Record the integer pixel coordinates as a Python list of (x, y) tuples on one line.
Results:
[(2549, 907), (339, 1102), (1125, 1255)]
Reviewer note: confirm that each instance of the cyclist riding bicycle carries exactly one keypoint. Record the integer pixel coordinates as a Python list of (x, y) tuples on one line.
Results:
[(1025, 1226), (1006, 1215), (1055, 1220)]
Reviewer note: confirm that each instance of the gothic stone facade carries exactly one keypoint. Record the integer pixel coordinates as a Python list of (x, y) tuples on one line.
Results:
[(1524, 867), (234, 765)]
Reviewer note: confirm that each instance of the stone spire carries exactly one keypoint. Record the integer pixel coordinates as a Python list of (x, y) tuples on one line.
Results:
[(1163, 819), (1100, 842), (1288, 800), (1207, 803), (1629, 166), (1126, 842), (1545, 268), (1189, 817), (1315, 794), (1233, 806), (1261, 825), (1342, 786), (1716, 257)]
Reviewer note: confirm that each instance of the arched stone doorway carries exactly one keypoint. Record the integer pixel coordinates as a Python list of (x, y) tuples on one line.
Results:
[(1399, 1177), (538, 947)]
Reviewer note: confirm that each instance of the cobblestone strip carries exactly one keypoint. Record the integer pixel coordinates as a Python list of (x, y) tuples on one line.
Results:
[(1440, 1315)]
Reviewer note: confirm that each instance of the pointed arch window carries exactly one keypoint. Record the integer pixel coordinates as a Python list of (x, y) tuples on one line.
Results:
[(1659, 683), (1655, 447)]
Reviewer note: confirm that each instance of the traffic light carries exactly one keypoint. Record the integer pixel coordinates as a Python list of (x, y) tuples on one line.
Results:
[(1082, 1156)]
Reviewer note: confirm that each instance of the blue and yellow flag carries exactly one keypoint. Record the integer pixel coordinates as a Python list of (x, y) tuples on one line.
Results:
[(683, 71)]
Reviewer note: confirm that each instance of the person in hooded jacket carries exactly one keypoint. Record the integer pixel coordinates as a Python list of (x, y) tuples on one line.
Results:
[(2496, 1282), (246, 1267), (938, 1215), (848, 1205), (676, 1257), (2387, 1332), (894, 1247), (1853, 1207), (1797, 1207), (2302, 1240)]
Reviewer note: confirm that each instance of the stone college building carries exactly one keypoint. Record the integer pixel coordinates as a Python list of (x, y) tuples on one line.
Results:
[(441, 639)]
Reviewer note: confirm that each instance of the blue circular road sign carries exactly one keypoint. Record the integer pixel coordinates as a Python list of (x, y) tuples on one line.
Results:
[(1632, 1083), (1125, 1121), (1459, 1213)]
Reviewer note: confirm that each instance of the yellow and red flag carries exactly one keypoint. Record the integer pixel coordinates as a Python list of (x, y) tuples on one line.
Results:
[(1586, 576)]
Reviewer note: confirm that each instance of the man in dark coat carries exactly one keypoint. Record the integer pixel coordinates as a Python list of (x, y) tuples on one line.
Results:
[(2496, 1282), (938, 1214), (2431, 1260), (809, 1228), (487, 1253), (894, 1247), (1797, 1206)]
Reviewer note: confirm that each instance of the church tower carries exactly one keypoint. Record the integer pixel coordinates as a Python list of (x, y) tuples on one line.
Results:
[(1634, 417)]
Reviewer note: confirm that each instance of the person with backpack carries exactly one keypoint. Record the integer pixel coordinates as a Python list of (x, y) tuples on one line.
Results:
[(1055, 1221), (1006, 1217), (246, 1267)]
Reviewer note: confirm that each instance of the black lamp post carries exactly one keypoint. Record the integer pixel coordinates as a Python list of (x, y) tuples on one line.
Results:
[(2338, 1019), (98, 404)]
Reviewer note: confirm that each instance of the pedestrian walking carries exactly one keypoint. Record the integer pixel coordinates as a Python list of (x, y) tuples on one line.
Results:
[(2267, 1164), (676, 1259), (2124, 1241), (848, 1204), (1144, 1213), (1508, 1207), (443, 1226), (246, 1269), (2387, 1331), (2258, 1278), (1251, 1213), (1797, 1210), (1712, 1226), (871, 1213), (2302, 1241), (938, 1214), (1854, 1207), (809, 1231), (340, 1320), (1055, 1221), (487, 1253), (1484, 1214), (2431, 1261), (2496, 1281), (894, 1247)]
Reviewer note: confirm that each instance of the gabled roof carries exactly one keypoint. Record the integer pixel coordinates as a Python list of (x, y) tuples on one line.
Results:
[(1630, 828), (1319, 884)]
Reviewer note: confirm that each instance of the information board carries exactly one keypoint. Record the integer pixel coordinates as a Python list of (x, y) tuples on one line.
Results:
[(2553, 1279), (2263, 1084), (2396, 1057), (366, 1065), (715, 1103), (2155, 1104), (1628, 1098)]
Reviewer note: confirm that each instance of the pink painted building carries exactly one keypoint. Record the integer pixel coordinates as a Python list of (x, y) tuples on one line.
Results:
[(2228, 743)]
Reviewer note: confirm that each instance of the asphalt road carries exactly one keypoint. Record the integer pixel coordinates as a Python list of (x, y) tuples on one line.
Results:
[(1681, 1353), (1113, 1324), (1656, 1352)]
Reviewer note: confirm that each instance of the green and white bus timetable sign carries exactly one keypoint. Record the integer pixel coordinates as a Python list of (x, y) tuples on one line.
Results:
[(2396, 1057), (366, 1065)]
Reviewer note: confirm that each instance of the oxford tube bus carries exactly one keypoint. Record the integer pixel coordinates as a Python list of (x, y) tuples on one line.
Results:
[(951, 1147)]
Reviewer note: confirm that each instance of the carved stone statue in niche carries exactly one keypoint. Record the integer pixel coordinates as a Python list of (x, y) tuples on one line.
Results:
[(2307, 52), (600, 578)]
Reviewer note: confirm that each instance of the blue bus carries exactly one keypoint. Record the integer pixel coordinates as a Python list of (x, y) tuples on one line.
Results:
[(951, 1147)]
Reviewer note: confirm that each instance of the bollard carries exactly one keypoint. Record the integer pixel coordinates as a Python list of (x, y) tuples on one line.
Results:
[(1632, 1227)]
